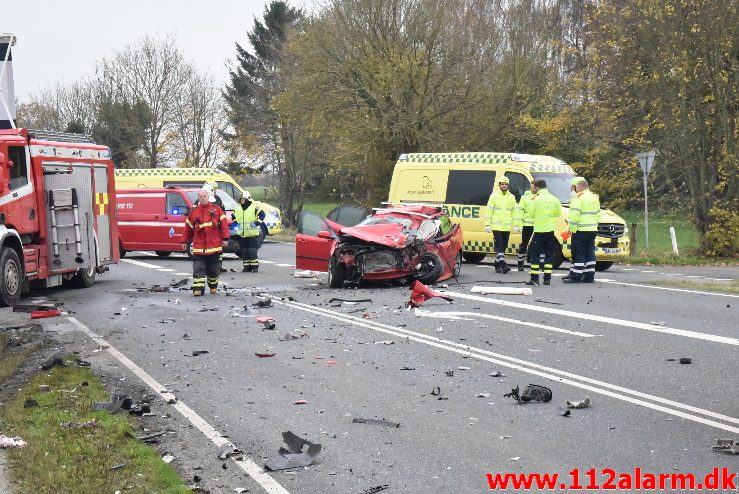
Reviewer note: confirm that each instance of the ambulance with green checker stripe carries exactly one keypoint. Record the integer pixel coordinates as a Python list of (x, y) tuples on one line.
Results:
[(462, 183)]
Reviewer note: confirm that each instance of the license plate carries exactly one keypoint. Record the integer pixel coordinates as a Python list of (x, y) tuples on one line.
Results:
[(611, 250)]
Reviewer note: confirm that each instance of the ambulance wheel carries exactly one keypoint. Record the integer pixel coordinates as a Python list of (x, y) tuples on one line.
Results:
[(84, 278), (163, 253), (474, 257), (431, 268), (603, 265), (11, 277), (336, 273)]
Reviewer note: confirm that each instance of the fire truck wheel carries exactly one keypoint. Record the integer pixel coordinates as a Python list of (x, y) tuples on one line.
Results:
[(163, 253), (189, 250), (11, 277), (84, 278)]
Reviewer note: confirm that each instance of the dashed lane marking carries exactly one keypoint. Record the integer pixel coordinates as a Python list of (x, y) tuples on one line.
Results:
[(603, 319), (654, 287), (614, 391), (141, 263), (253, 470)]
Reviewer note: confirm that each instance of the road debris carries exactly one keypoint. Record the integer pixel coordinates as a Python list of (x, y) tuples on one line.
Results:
[(463, 367), (294, 456), (230, 451), (180, 284), (386, 423), (295, 334), (384, 342), (658, 323), (79, 425), (564, 413), (195, 353), (44, 388), (547, 302), (267, 321), (169, 320), (730, 446), (376, 489), (53, 362), (300, 402), (116, 403), (265, 355), (304, 273), (30, 403), (533, 392), (685, 360), (247, 312), (436, 391), (167, 457), (580, 404), (42, 314), (186, 337), (264, 301), (482, 395), (497, 374), (449, 373), (151, 438), (421, 293), (500, 290), (11, 442), (118, 466), (406, 368)]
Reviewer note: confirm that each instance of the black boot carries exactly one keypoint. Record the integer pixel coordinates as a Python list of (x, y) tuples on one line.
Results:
[(498, 269), (246, 269), (534, 281), (255, 268), (572, 278), (547, 279), (520, 264), (504, 268)]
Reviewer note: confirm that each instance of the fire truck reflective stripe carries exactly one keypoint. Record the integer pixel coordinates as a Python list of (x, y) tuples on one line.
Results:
[(140, 195), (147, 223)]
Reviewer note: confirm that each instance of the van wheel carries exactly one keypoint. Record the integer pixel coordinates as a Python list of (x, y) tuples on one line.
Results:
[(431, 268), (603, 265), (163, 253), (11, 277), (84, 278), (474, 257)]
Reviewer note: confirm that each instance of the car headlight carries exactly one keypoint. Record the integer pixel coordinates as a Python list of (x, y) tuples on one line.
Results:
[(626, 230)]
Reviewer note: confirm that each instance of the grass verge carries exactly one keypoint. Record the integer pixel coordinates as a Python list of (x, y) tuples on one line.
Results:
[(10, 357), (59, 459), (667, 258), (717, 286)]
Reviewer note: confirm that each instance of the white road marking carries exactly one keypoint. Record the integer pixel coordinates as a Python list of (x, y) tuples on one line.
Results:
[(644, 271), (603, 319), (253, 470), (144, 253), (166, 269), (596, 386), (693, 276), (183, 274), (286, 265), (722, 279), (629, 269), (654, 287), (140, 263), (264, 261), (443, 315)]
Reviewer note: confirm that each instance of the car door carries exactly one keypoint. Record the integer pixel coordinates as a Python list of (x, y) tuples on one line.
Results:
[(176, 211), (311, 250)]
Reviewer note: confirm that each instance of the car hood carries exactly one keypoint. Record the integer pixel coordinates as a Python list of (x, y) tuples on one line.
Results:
[(392, 235)]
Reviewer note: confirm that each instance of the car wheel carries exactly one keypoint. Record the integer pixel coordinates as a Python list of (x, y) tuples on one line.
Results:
[(431, 268), (84, 278), (11, 277), (603, 265), (457, 264), (474, 257), (336, 273), (163, 253)]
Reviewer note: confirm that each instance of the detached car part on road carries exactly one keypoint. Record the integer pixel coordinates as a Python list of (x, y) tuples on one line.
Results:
[(416, 242)]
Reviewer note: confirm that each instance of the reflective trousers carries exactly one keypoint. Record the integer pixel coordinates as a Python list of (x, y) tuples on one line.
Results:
[(583, 256), (542, 243), (205, 268)]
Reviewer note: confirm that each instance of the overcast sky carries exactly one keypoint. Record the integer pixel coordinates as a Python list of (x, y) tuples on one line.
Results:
[(60, 40)]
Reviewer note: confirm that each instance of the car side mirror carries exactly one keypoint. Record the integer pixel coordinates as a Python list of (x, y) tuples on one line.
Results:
[(324, 234)]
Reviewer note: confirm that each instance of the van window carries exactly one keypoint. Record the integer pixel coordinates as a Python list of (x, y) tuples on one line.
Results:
[(469, 187), (229, 189), (558, 184), (176, 204), (518, 184), (19, 171)]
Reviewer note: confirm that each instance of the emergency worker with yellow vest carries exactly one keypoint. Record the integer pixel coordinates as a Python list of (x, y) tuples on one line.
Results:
[(207, 227), (583, 221), (251, 220), (524, 221), (546, 208), (499, 220)]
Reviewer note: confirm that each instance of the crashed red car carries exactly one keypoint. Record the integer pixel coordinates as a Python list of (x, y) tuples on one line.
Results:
[(395, 243)]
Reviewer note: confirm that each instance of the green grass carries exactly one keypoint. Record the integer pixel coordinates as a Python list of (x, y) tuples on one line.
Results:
[(717, 286), (79, 460), (11, 358), (659, 232)]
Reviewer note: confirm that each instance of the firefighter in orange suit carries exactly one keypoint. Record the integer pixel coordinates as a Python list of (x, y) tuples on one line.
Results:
[(207, 226)]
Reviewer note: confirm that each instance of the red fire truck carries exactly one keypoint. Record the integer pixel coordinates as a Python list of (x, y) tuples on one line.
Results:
[(56, 220)]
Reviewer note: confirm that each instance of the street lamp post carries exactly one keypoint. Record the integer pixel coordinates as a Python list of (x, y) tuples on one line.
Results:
[(646, 160)]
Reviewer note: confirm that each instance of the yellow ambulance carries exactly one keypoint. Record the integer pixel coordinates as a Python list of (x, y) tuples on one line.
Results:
[(146, 178), (462, 183)]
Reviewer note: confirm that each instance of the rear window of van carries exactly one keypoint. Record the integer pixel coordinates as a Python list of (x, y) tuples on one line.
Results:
[(469, 187)]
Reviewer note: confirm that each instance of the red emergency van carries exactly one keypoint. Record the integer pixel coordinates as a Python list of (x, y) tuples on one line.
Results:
[(154, 219)]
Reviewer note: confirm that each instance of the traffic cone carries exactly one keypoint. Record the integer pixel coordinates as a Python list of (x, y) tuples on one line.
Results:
[(421, 293)]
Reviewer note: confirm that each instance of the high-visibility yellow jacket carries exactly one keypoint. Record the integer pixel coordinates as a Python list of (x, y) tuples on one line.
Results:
[(499, 213), (249, 220), (545, 210), (584, 212), (522, 214)]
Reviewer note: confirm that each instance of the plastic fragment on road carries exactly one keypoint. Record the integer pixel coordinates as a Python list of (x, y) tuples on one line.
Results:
[(195, 353), (384, 342), (300, 402), (42, 314), (463, 367), (580, 404), (386, 423), (421, 293), (295, 334), (330, 362), (449, 373), (548, 302), (53, 362), (565, 413), (247, 312), (230, 451), (376, 489), (482, 395), (169, 320), (730, 446), (264, 301), (349, 300), (296, 454), (406, 368), (500, 290), (11, 442), (533, 392), (267, 321), (304, 273), (167, 457), (116, 403), (497, 374), (685, 360), (265, 355)]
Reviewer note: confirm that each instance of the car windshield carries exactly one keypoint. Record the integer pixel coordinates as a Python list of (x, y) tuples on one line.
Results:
[(228, 203), (558, 184), (387, 220)]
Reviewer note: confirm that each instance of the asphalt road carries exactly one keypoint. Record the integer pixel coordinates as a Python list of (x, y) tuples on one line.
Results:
[(613, 341)]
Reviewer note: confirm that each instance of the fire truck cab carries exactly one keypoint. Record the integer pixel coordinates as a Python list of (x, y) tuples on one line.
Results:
[(56, 223)]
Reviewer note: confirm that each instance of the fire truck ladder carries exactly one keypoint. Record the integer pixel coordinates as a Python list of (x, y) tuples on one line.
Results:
[(65, 199)]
